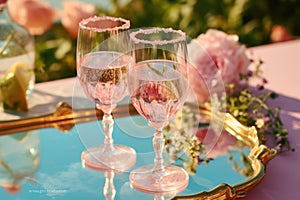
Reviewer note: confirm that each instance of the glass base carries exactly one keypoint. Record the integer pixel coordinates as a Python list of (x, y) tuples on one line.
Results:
[(120, 159), (174, 179)]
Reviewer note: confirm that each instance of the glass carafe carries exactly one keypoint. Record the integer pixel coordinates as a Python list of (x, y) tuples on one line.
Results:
[(17, 54)]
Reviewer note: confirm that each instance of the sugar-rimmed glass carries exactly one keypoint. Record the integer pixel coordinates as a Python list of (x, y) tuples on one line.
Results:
[(102, 72), (157, 82)]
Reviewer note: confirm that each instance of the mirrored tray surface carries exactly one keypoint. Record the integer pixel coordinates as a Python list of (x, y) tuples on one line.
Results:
[(46, 163)]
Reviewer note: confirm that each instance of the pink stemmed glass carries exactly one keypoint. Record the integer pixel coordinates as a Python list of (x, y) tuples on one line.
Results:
[(102, 72), (157, 82)]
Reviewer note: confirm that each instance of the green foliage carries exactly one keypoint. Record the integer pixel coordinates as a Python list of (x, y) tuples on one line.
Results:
[(251, 20), (250, 107), (55, 54)]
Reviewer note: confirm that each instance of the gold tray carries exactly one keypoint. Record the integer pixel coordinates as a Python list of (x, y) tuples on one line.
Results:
[(64, 119)]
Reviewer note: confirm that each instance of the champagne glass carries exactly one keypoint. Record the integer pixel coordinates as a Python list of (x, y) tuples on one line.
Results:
[(158, 88), (102, 72)]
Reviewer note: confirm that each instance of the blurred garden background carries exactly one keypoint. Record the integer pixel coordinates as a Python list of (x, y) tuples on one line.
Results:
[(250, 19), (255, 22)]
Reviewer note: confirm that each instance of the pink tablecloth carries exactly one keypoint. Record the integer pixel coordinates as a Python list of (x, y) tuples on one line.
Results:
[(282, 180)]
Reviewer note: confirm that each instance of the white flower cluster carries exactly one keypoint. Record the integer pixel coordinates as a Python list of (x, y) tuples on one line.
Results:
[(182, 144)]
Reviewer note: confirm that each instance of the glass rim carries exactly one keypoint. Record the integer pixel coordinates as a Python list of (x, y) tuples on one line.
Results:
[(181, 36), (125, 25)]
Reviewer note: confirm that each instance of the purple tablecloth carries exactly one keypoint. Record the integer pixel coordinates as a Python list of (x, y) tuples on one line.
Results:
[(282, 69)]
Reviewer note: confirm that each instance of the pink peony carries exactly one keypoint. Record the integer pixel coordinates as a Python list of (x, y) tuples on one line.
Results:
[(73, 12), (35, 15), (217, 56)]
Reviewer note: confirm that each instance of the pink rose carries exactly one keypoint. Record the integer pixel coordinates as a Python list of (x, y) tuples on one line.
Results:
[(73, 12), (35, 15), (215, 57)]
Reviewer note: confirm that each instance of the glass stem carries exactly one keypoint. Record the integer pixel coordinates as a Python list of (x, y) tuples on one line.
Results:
[(159, 197), (158, 144), (109, 190), (108, 126)]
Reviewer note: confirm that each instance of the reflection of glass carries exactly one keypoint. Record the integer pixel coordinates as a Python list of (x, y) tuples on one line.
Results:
[(109, 189), (19, 159), (102, 72), (158, 89)]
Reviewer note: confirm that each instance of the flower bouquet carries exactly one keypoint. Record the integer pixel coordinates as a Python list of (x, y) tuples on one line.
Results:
[(225, 78)]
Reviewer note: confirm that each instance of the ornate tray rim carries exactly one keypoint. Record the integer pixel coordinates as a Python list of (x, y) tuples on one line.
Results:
[(64, 118), (260, 155)]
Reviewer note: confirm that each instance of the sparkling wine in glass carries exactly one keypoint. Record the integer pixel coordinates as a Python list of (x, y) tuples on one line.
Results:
[(158, 85), (102, 68)]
